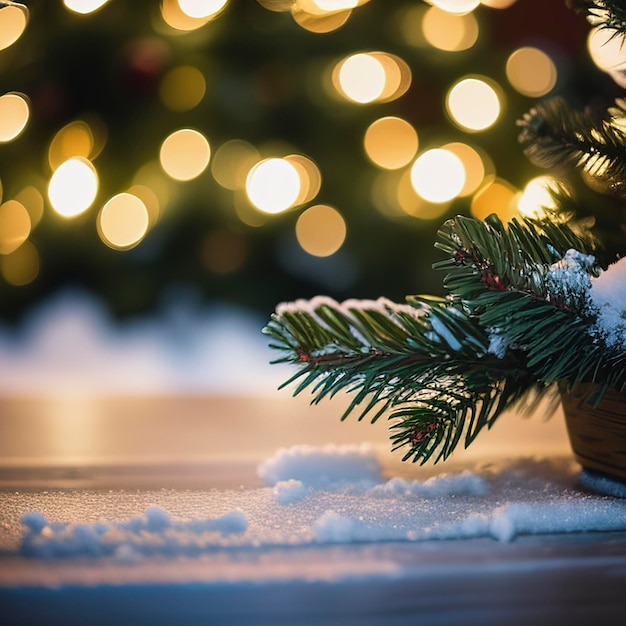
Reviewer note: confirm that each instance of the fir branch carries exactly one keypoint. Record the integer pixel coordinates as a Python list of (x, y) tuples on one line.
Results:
[(426, 364), (556, 136), (602, 13)]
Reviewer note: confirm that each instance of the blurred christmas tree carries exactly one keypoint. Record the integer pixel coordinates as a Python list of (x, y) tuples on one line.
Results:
[(100, 190)]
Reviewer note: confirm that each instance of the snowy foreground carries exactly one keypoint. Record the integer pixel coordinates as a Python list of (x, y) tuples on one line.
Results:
[(329, 539)]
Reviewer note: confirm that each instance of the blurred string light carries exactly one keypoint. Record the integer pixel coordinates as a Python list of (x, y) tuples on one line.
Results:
[(22, 266), (531, 72), (179, 20), (32, 200), (450, 32), (13, 20), (273, 185), (476, 166), (320, 230), (438, 175), (391, 142), (495, 196), (84, 6), (607, 48), (458, 7), (473, 103), (123, 221), (73, 187), (185, 154), (538, 197), (15, 226), (498, 4), (415, 204), (232, 162), (182, 88), (14, 115), (77, 139), (368, 77), (200, 9)]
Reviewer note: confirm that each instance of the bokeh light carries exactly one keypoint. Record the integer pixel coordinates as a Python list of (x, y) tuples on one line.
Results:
[(606, 47), (14, 114), (391, 142), (538, 196), (473, 104), (495, 196), (123, 221), (474, 164), (22, 266), (310, 177), (73, 187), (273, 185), (361, 78), (456, 6), (448, 31), (438, 175), (73, 140), (13, 20), (15, 226), (84, 6), (185, 154), (368, 77), (199, 9), (531, 72), (182, 88), (31, 199), (498, 4), (415, 205), (232, 162), (174, 16), (321, 230), (150, 200)]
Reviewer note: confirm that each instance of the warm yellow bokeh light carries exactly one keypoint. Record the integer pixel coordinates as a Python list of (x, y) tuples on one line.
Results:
[(273, 185), (333, 5), (607, 48), (498, 4), (176, 18), (15, 226), (473, 104), (496, 196), (182, 88), (321, 230), (84, 6), (73, 187), (123, 221), (185, 154), (199, 9), (150, 200), (438, 175), (368, 77), (391, 142), (22, 266), (310, 177), (33, 202), (14, 114), (361, 78), (13, 21), (74, 140), (531, 72), (413, 204), (538, 196), (458, 7), (473, 164), (449, 32), (232, 162)]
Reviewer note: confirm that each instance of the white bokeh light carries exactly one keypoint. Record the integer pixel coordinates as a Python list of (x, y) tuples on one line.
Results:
[(438, 175), (273, 185)]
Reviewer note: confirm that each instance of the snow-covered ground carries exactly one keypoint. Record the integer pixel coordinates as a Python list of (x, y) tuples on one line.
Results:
[(324, 529)]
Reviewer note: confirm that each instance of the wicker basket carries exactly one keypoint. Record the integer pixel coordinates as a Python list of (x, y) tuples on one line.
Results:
[(598, 435)]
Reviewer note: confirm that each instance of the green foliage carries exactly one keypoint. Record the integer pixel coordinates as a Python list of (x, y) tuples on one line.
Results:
[(434, 365), (556, 136)]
